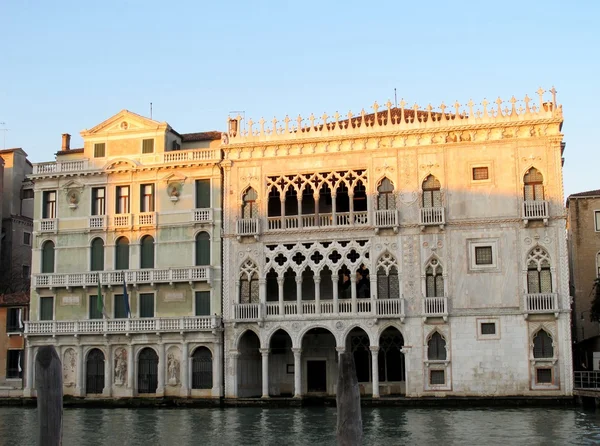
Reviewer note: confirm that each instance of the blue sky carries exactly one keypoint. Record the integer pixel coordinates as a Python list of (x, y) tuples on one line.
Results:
[(68, 65)]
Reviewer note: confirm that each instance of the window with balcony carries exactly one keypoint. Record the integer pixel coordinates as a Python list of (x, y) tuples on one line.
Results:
[(385, 195), (147, 198), (539, 274), (147, 252), (202, 194), (97, 255), (120, 306), (202, 249), (434, 279), (432, 192), (95, 307), (14, 320), (388, 286), (542, 345), (436, 348), (202, 303), (148, 146), (533, 189), (99, 150), (14, 364), (249, 205), (146, 305), (122, 203), (248, 283), (98, 201), (46, 308), (122, 253), (48, 257), (49, 204)]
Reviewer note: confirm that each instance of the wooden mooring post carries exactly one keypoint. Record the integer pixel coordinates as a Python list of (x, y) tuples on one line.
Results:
[(49, 386), (349, 418)]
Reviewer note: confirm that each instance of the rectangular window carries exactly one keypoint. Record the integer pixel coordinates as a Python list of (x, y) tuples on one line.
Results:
[(480, 173), (597, 220), (27, 194), (122, 200), (543, 376), (95, 312), (49, 201), (202, 194), (437, 377), (14, 366), (488, 328), (26, 271), (13, 320), (148, 146), (120, 307), (147, 198), (46, 308), (100, 150), (146, 305), (27, 238), (202, 303), (483, 255), (98, 201)]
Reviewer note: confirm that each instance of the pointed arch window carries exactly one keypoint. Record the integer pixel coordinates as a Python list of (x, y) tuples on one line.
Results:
[(97, 255), (249, 283), (542, 345), (122, 253), (434, 279), (202, 249), (147, 252), (385, 195), (533, 189), (436, 348), (48, 257), (388, 286), (249, 205), (432, 192), (539, 275)]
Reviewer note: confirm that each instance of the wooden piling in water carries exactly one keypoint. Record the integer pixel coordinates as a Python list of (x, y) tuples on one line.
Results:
[(349, 418), (49, 386)]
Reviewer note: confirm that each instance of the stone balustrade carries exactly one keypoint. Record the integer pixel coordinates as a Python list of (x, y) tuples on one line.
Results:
[(435, 307), (540, 303), (536, 210), (432, 216)]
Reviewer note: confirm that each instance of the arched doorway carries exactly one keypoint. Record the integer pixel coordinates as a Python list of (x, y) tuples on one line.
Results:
[(391, 363), (147, 381), (202, 369), (281, 363), (358, 344), (94, 375), (318, 347), (249, 366)]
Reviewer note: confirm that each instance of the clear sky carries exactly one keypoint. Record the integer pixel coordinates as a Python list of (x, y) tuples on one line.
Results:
[(69, 65)]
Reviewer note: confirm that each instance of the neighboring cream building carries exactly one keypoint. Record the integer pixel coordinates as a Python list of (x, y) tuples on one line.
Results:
[(139, 204), (430, 244)]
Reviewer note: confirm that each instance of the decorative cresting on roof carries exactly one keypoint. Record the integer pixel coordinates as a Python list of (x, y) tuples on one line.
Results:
[(388, 118)]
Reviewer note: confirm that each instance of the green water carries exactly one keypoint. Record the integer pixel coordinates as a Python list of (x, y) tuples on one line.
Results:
[(308, 426)]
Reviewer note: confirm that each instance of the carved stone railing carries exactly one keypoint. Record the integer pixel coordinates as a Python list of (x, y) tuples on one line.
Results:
[(146, 219), (315, 221), (540, 303), (247, 226), (204, 215), (386, 218), (115, 278), (435, 307), (535, 210), (97, 222), (48, 225), (247, 312), (122, 221), (390, 308), (122, 326), (432, 216), (61, 166)]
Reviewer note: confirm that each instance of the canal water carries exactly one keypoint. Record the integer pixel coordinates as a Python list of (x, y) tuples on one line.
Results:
[(308, 426)]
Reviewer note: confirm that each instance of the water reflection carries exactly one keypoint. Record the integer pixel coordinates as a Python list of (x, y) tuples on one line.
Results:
[(307, 426)]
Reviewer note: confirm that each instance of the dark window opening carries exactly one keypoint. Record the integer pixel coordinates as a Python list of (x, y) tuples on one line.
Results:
[(483, 255)]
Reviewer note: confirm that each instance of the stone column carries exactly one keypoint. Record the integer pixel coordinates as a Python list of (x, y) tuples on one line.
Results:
[(297, 372), (317, 280), (234, 365), (339, 351), (375, 369), (353, 293), (160, 389), (300, 211), (108, 369), (336, 308), (316, 197), (265, 372), (280, 289), (299, 292), (130, 366), (185, 374), (80, 386), (373, 291), (351, 203), (283, 211), (333, 213), (29, 366), (237, 292)]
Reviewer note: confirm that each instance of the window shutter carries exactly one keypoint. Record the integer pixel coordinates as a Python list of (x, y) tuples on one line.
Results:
[(146, 305), (100, 150), (202, 194), (95, 313), (202, 249), (48, 257), (97, 255), (46, 308), (120, 312), (202, 303), (148, 146), (147, 254), (122, 253)]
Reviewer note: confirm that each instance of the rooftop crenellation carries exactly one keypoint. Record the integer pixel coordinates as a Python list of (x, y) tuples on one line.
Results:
[(401, 118)]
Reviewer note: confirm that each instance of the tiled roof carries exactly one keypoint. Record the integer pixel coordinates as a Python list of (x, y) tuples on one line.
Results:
[(589, 193), (201, 136), (11, 299), (67, 152)]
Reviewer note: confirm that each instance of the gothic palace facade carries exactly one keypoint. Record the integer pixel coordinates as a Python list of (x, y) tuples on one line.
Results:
[(429, 244)]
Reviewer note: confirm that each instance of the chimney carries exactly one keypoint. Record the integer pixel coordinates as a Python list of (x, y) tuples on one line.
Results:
[(66, 142)]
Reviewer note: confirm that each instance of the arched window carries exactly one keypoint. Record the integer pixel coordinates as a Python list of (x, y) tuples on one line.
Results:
[(388, 286), (272, 286), (147, 252), (97, 257), (202, 249), (249, 206), (248, 283), (391, 359), (436, 348), (48, 257), (534, 185), (122, 253), (202, 369), (434, 279), (291, 201), (385, 195), (432, 193), (539, 276), (542, 345)]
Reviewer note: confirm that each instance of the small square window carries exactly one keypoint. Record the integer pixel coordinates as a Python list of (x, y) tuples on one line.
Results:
[(488, 328), (27, 238), (543, 376), (483, 255), (100, 150), (148, 146), (480, 173), (437, 377)]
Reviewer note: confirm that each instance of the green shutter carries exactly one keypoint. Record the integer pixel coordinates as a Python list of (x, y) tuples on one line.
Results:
[(202, 303), (202, 249), (97, 255), (202, 194), (120, 311), (48, 257), (95, 313), (147, 305), (46, 308), (147, 252), (122, 254), (148, 146)]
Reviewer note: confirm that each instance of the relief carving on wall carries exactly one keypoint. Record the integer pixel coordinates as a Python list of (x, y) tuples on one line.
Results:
[(120, 366), (70, 368)]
